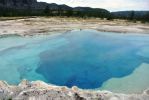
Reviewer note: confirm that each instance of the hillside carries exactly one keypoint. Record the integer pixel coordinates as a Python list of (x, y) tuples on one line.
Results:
[(131, 15), (32, 7)]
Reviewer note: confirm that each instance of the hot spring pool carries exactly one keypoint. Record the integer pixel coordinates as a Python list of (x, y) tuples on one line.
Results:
[(88, 59)]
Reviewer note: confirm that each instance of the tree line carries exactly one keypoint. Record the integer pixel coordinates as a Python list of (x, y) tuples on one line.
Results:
[(76, 12), (132, 15)]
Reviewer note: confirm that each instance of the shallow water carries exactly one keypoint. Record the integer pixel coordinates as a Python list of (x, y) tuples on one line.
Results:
[(87, 59)]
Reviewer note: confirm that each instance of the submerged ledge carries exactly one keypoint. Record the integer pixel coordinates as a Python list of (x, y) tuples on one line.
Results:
[(38, 90)]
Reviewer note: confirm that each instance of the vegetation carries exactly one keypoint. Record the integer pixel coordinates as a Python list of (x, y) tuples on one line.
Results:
[(29, 12), (34, 8), (132, 15)]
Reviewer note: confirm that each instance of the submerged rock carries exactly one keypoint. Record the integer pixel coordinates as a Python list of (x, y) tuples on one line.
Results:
[(39, 90)]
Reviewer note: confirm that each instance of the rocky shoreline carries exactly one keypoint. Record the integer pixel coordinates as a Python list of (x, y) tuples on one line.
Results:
[(50, 25), (38, 90)]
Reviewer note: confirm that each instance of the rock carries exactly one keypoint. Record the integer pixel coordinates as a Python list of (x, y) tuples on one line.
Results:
[(3, 84), (24, 83), (39, 90), (64, 88), (75, 89), (147, 91)]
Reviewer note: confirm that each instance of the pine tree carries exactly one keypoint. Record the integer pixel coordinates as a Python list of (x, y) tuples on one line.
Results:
[(46, 10)]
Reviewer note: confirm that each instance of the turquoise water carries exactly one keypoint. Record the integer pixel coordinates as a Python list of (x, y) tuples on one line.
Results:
[(87, 59)]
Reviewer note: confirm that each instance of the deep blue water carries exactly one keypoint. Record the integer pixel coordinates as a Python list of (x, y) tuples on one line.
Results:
[(89, 59), (85, 58)]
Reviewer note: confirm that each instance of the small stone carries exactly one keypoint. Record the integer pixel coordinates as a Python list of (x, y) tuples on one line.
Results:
[(24, 83), (75, 88), (1, 91), (64, 89), (147, 92), (3, 84)]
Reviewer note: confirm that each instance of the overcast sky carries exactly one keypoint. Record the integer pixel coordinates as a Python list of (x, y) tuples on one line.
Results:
[(112, 5)]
